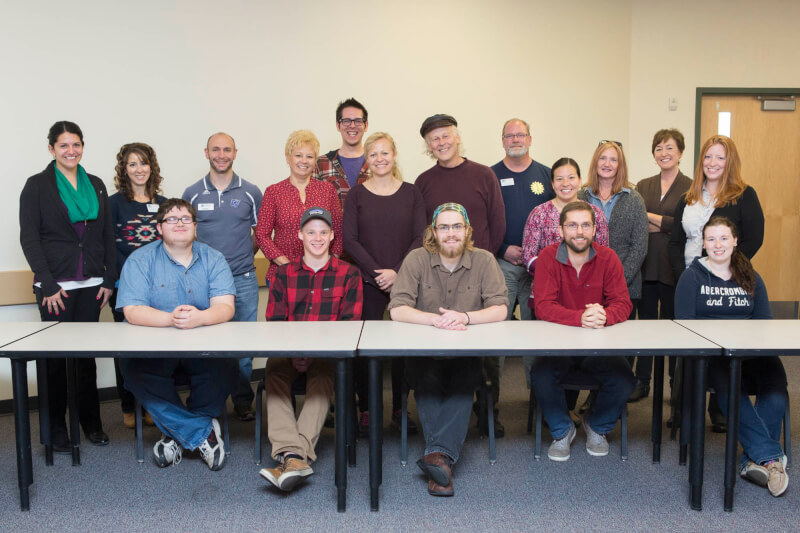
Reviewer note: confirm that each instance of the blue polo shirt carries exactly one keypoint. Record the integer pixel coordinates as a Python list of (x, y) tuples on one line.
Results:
[(224, 219), (151, 277), (522, 191)]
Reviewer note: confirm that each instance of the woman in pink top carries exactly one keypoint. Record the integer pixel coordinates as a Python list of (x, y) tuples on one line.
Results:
[(541, 229), (284, 203)]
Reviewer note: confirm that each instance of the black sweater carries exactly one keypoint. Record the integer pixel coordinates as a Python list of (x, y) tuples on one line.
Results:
[(50, 243), (746, 214)]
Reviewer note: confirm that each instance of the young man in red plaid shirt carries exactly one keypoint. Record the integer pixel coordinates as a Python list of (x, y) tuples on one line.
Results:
[(316, 287)]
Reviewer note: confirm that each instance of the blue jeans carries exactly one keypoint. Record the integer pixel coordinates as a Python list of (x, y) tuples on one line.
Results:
[(616, 384), (759, 424), (443, 389), (246, 311), (152, 381)]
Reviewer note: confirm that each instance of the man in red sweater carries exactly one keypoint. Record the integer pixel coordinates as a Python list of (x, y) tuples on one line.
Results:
[(578, 283)]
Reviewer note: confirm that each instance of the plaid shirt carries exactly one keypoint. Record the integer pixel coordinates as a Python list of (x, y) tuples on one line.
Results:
[(298, 293), (330, 169)]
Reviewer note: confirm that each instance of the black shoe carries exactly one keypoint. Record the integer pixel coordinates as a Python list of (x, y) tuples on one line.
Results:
[(244, 413), (97, 438), (499, 429), (61, 443), (640, 392)]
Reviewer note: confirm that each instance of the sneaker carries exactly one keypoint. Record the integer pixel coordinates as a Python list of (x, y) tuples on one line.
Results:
[(244, 413), (559, 449), (363, 425), (778, 479), (755, 473), (596, 444), (397, 422), (167, 452), (288, 474), (212, 449)]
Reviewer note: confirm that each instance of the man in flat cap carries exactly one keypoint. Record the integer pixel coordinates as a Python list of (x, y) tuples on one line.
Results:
[(455, 178)]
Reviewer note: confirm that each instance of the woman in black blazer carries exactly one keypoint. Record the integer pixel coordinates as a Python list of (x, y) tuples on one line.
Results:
[(68, 241)]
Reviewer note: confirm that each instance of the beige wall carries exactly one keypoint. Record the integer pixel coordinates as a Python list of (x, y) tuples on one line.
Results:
[(578, 71), (681, 45)]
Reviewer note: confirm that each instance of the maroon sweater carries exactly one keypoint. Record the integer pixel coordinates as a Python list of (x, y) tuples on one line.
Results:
[(379, 231), (476, 188), (560, 295)]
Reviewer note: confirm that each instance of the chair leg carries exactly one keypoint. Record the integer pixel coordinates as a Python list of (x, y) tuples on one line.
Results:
[(624, 431), (404, 428), (490, 415), (531, 409), (537, 451), (226, 434), (787, 432), (139, 444), (259, 403)]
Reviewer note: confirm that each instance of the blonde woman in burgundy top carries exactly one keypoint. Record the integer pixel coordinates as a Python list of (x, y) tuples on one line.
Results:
[(284, 203), (384, 219)]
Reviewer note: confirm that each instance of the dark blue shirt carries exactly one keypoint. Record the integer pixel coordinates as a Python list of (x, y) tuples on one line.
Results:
[(522, 191)]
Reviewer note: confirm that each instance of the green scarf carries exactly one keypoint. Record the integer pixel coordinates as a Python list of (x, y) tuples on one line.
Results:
[(81, 204)]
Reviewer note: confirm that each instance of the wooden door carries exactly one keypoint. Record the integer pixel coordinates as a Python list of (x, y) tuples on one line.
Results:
[(769, 147)]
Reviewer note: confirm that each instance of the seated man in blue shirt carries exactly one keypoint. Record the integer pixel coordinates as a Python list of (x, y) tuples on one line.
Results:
[(176, 282)]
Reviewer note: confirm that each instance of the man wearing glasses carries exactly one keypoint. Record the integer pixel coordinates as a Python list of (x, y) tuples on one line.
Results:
[(447, 284), (578, 283), (346, 167), (227, 208), (177, 282), (524, 184)]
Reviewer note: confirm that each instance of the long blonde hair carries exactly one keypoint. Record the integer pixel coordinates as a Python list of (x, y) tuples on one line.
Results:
[(732, 185), (381, 136)]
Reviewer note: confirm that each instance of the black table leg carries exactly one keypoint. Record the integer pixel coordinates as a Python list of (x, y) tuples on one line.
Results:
[(72, 402), (732, 437), (375, 431), (340, 402), (658, 406), (686, 410), (44, 411), (351, 415), (22, 427), (698, 434)]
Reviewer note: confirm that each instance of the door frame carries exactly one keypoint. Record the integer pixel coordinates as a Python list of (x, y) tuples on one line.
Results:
[(704, 91)]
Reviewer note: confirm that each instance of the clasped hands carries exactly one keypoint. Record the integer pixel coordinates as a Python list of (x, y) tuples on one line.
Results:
[(593, 317)]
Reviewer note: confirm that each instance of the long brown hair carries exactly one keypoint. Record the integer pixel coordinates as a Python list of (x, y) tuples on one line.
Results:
[(148, 157), (620, 181), (732, 185), (742, 270)]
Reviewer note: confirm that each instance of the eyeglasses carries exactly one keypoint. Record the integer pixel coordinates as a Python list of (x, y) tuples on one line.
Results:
[(445, 227), (572, 226), (604, 141), (347, 121), (174, 220), (520, 136)]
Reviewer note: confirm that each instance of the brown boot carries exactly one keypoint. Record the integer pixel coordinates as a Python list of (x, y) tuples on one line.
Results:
[(436, 466)]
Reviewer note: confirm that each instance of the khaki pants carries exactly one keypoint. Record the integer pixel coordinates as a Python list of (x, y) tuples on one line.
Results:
[(286, 434)]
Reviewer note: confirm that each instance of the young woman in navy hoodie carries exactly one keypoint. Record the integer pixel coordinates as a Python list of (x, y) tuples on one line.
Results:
[(723, 285)]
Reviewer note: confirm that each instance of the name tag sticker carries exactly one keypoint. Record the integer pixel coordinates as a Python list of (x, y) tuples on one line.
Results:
[(152, 208), (507, 182), (205, 207)]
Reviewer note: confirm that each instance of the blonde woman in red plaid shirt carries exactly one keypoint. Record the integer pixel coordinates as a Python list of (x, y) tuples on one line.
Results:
[(284, 203)]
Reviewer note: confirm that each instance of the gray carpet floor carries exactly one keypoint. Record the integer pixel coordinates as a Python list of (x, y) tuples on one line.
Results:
[(110, 491)]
